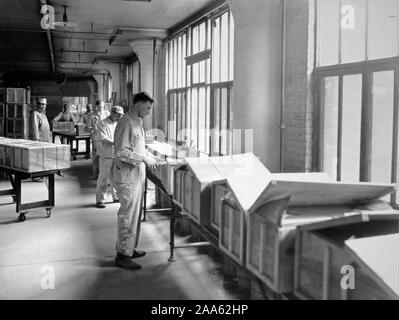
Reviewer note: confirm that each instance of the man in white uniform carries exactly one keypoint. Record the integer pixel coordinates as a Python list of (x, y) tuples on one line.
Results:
[(39, 129), (105, 150), (131, 159), (98, 115)]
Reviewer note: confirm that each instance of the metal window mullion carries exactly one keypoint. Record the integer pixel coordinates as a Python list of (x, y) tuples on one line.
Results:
[(366, 40), (339, 34), (395, 133), (220, 49), (366, 130), (340, 113), (228, 46)]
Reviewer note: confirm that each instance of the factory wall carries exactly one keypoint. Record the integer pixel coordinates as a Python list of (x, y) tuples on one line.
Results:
[(257, 75), (298, 97)]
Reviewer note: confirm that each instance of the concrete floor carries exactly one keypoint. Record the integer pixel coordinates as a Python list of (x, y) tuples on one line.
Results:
[(77, 244)]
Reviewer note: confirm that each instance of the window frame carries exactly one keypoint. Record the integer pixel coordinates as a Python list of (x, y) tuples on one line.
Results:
[(366, 69)]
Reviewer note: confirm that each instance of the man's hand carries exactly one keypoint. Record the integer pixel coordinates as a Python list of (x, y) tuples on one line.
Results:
[(151, 163), (107, 143)]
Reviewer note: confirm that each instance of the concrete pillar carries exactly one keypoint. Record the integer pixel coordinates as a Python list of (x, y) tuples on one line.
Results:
[(257, 75), (100, 85), (144, 50)]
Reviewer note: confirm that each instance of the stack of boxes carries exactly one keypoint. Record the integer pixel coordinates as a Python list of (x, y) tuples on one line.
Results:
[(31, 156), (62, 126), (71, 127), (15, 115), (2, 111)]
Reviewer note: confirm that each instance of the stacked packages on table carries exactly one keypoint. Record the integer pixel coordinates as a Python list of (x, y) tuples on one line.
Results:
[(32, 156)]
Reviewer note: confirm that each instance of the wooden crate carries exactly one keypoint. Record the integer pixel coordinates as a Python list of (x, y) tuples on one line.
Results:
[(17, 122), (2, 95), (232, 235), (218, 192), (271, 228), (35, 157), (371, 249), (63, 126), (16, 95), (197, 177), (82, 129), (178, 188)]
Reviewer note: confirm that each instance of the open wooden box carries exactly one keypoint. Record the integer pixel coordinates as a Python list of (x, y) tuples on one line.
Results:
[(296, 200), (365, 245), (193, 188), (240, 193)]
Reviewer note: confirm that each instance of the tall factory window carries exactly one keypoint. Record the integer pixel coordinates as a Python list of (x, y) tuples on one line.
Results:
[(199, 83), (356, 30), (359, 122)]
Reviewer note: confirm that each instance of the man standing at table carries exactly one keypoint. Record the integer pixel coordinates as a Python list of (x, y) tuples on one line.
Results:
[(105, 136), (98, 115), (131, 159), (39, 129)]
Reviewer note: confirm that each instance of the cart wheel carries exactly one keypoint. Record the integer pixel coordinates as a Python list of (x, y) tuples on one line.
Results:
[(21, 217), (48, 213)]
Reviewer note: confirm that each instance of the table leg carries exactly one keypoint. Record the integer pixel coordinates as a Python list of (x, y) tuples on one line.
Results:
[(172, 234), (51, 189), (18, 194), (87, 148)]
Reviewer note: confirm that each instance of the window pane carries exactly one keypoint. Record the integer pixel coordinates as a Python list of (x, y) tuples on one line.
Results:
[(194, 115), (196, 71), (216, 51), (216, 120), (202, 119), (179, 61), (382, 126), (184, 61), (224, 48), (202, 36), (330, 141), (328, 34), (202, 71), (351, 127), (195, 39), (353, 28), (231, 48), (383, 28), (188, 115), (224, 108)]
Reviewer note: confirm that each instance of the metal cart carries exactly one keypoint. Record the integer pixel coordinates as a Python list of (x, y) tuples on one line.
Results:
[(16, 177)]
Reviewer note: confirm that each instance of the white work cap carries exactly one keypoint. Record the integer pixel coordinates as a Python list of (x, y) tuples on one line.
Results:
[(117, 109)]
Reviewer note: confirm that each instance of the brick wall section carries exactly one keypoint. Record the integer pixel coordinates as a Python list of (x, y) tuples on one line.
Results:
[(298, 106)]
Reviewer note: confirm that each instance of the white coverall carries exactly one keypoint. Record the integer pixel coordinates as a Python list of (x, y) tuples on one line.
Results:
[(105, 131), (129, 178), (39, 129), (95, 119)]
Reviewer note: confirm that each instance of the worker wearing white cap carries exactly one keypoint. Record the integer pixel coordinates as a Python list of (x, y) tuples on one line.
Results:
[(39, 129), (105, 150), (131, 159), (98, 115)]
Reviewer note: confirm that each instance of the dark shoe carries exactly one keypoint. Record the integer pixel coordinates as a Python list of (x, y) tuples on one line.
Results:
[(100, 205), (125, 262), (116, 200), (138, 254)]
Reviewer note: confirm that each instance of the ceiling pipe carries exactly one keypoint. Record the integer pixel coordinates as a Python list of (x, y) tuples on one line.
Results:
[(63, 31), (82, 51), (50, 43)]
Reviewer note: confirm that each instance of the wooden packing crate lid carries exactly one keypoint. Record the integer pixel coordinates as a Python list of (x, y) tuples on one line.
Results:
[(203, 169), (381, 255), (328, 193), (246, 177)]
